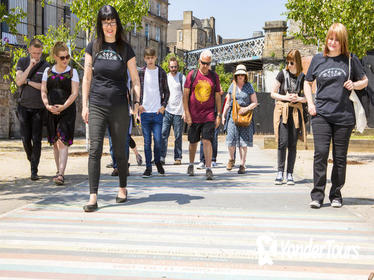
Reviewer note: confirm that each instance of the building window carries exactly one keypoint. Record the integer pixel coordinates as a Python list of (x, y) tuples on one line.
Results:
[(22, 4), (134, 30), (158, 33), (147, 31), (158, 9), (180, 36), (50, 14)]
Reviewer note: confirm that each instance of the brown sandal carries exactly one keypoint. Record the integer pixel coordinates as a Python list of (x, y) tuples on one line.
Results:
[(59, 180)]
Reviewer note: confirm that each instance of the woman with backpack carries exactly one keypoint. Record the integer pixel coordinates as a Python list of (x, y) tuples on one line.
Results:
[(240, 95), (289, 121), (60, 87), (107, 59)]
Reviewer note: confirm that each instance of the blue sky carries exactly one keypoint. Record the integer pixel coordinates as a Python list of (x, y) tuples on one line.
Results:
[(234, 18)]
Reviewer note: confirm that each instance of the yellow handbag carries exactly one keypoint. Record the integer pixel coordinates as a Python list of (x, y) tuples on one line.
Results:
[(239, 120)]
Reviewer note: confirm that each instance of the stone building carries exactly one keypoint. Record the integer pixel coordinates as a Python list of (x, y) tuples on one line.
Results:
[(153, 32), (38, 18), (191, 33)]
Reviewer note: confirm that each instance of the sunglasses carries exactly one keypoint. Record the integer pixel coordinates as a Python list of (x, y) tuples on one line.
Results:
[(64, 57), (290, 63), (205, 63)]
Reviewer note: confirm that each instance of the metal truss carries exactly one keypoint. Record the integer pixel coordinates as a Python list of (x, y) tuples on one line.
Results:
[(249, 49)]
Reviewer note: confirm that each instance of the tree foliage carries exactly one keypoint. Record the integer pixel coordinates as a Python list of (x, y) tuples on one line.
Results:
[(165, 63), (316, 16), (225, 78), (130, 12), (11, 17)]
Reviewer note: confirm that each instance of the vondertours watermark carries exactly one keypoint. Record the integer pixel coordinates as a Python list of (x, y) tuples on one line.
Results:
[(269, 249)]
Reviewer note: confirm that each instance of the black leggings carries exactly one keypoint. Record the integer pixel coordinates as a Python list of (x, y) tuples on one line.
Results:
[(287, 139), (31, 125), (117, 117)]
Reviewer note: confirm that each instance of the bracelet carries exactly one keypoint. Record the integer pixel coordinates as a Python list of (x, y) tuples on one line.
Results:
[(219, 115), (136, 102)]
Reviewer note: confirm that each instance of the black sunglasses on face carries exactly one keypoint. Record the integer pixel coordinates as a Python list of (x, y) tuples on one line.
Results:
[(64, 57), (290, 63), (205, 63)]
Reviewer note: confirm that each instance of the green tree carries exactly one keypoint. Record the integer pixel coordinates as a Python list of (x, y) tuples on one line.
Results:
[(225, 78), (316, 16), (165, 63), (130, 12), (11, 17)]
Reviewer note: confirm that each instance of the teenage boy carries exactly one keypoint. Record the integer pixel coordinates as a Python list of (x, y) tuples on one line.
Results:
[(154, 98)]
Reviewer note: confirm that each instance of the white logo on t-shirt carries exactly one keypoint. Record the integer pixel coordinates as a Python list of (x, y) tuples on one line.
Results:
[(332, 72)]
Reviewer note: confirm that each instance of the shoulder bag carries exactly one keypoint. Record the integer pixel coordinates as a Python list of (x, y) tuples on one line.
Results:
[(239, 120), (361, 121)]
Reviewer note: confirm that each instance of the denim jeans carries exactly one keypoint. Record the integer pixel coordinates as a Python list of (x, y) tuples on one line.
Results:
[(152, 123), (323, 133), (177, 122), (214, 147)]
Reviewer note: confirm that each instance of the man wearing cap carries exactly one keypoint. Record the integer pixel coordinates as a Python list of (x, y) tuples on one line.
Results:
[(202, 104)]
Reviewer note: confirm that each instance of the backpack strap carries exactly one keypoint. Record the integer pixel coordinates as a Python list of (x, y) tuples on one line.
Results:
[(286, 80), (181, 80)]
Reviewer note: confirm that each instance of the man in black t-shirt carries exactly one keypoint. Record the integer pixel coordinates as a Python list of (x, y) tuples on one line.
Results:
[(30, 106)]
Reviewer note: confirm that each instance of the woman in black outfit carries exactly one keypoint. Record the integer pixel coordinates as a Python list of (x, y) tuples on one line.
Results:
[(105, 85), (60, 87), (288, 114), (333, 113)]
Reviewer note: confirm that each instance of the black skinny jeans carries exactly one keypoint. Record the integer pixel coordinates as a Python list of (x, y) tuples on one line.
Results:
[(323, 133), (287, 139), (31, 125), (117, 117)]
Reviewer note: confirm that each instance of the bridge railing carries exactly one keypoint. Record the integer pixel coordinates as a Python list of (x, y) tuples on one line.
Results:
[(234, 52)]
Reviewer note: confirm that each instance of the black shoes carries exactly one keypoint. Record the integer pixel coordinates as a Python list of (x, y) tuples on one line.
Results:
[(190, 171), (121, 199), (147, 173), (241, 169), (34, 177), (90, 207), (160, 169)]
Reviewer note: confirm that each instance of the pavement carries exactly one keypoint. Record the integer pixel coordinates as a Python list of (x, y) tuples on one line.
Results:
[(181, 227)]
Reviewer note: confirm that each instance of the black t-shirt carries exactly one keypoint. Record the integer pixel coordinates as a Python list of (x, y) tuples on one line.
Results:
[(109, 81), (30, 96), (332, 98), (296, 83)]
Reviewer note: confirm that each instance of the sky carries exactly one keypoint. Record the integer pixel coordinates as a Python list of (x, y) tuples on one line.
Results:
[(235, 19)]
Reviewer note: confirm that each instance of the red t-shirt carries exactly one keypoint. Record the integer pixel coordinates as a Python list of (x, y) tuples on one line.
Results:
[(202, 101)]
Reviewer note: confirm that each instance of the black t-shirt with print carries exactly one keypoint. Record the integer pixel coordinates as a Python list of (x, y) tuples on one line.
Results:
[(332, 98), (296, 83), (30, 96), (109, 81)]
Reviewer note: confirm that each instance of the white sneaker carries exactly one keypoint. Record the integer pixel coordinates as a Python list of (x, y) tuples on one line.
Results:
[(336, 203), (315, 204), (201, 165), (214, 164), (290, 180)]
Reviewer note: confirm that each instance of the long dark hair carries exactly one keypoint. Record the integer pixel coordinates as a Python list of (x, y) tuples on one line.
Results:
[(108, 12)]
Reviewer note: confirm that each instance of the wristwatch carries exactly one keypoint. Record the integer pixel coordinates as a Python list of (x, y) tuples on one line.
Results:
[(27, 81)]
